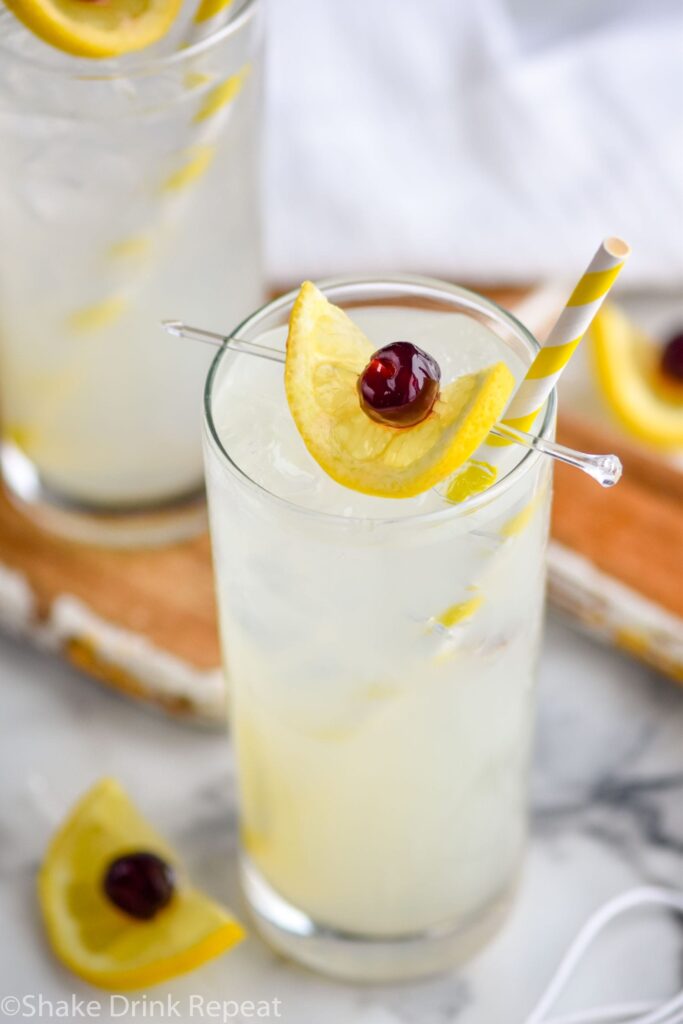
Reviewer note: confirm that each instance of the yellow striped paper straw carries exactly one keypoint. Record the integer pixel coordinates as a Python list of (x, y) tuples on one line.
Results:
[(574, 321), (481, 471)]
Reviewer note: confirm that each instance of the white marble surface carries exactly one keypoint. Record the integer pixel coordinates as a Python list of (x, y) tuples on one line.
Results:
[(608, 814)]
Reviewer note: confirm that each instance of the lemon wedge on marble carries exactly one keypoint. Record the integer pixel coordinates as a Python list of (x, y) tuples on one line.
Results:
[(92, 935)]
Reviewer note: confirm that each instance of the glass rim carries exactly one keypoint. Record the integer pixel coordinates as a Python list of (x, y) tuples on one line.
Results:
[(419, 285), (105, 69)]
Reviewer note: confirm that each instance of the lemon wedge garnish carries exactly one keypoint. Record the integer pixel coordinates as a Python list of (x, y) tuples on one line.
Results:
[(627, 372), (97, 28), (95, 939), (326, 353)]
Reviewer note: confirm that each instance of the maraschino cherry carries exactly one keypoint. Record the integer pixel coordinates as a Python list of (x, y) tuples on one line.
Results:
[(140, 884), (671, 363), (400, 385)]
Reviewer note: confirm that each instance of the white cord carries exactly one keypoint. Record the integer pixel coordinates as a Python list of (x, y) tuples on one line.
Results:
[(623, 1013), (670, 1012), (617, 1013)]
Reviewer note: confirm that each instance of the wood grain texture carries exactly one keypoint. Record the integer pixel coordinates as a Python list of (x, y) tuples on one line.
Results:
[(164, 594), (633, 533)]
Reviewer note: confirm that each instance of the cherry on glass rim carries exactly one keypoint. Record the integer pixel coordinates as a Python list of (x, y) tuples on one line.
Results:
[(400, 385)]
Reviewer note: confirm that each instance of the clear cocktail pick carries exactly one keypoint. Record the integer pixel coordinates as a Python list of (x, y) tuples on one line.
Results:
[(605, 469)]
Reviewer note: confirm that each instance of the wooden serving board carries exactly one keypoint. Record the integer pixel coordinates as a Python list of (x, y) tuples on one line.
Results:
[(616, 556), (143, 622)]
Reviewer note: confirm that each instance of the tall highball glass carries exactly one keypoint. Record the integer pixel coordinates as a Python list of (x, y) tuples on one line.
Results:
[(381, 659)]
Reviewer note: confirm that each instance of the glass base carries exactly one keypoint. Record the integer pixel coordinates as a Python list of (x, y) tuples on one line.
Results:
[(362, 958), (131, 526)]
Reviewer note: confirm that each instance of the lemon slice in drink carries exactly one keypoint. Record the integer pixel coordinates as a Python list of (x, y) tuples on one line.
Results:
[(326, 353), (97, 28), (90, 934), (627, 371)]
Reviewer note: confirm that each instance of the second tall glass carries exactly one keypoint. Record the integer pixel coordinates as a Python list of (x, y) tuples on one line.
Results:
[(128, 193)]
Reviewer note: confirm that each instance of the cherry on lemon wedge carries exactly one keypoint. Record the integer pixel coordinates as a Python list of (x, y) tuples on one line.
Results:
[(140, 884), (399, 385), (326, 355), (631, 375), (97, 28), (118, 911), (671, 361)]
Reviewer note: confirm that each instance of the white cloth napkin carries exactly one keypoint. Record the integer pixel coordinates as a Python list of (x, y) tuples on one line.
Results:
[(485, 140)]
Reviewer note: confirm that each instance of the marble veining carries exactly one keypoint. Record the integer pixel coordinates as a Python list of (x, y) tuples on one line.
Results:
[(607, 797)]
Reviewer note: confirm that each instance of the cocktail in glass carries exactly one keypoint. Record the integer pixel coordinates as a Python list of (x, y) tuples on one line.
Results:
[(128, 187), (380, 656)]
